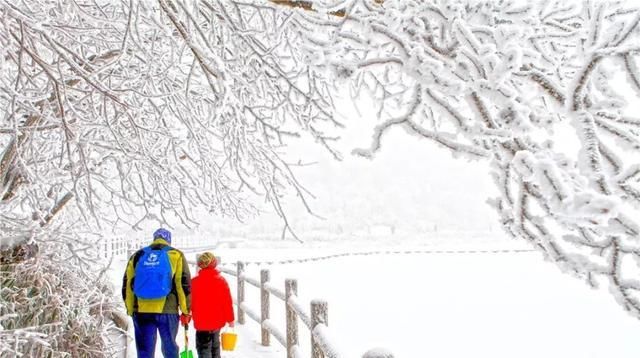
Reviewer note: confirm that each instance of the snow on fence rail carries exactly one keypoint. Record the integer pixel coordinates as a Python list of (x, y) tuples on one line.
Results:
[(119, 246), (315, 319)]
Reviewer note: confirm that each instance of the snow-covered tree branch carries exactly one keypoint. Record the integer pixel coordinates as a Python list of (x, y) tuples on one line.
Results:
[(503, 81), (115, 113), (189, 108), (119, 113)]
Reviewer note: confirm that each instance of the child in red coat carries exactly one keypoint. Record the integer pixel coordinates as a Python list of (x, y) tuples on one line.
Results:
[(211, 306)]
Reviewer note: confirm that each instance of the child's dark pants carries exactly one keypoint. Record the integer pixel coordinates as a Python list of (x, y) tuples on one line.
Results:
[(208, 344)]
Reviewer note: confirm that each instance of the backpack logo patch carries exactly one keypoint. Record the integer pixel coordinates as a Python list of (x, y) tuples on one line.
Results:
[(153, 276), (152, 260)]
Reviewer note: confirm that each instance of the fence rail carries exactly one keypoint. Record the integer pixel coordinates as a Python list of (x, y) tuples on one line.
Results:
[(124, 246), (315, 319)]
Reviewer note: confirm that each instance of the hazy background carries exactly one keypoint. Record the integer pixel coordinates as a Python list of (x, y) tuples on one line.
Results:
[(411, 188)]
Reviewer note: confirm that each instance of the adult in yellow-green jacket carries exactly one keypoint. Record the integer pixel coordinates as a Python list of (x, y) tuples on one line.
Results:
[(162, 291)]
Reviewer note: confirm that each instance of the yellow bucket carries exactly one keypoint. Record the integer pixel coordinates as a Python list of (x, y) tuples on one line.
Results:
[(228, 340)]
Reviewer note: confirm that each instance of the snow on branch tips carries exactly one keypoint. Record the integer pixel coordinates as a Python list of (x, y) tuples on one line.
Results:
[(542, 90), (122, 114), (189, 109)]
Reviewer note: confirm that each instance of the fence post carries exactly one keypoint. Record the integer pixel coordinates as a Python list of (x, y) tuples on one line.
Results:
[(377, 353), (240, 295), (291, 289), (318, 316), (264, 305), (197, 266)]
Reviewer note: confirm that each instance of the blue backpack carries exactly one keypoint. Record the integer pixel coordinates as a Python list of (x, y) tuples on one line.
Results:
[(153, 275)]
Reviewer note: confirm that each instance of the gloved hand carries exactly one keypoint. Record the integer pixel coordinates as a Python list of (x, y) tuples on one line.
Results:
[(185, 319)]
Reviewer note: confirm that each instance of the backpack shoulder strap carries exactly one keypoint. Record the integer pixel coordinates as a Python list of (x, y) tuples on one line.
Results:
[(139, 255)]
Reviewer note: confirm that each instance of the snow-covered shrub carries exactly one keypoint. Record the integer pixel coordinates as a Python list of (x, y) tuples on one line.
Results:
[(51, 307)]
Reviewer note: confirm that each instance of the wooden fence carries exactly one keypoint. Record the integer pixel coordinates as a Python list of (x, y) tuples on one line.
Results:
[(315, 319)]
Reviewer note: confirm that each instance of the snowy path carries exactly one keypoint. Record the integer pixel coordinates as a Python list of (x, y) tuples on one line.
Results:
[(248, 345), (443, 305)]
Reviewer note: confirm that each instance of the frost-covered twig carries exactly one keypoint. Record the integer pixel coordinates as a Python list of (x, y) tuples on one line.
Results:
[(500, 80)]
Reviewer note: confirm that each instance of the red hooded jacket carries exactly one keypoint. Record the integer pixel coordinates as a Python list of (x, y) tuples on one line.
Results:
[(211, 305)]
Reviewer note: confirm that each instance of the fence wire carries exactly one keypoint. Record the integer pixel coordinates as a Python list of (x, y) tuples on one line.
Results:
[(380, 252)]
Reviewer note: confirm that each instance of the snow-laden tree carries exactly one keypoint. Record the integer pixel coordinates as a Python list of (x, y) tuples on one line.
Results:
[(158, 106), (122, 112), (116, 113), (544, 90)]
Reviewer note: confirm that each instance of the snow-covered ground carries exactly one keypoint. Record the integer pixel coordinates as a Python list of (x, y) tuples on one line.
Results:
[(441, 304)]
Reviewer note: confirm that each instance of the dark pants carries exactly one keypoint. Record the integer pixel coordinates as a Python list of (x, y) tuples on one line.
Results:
[(147, 325), (208, 344)]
